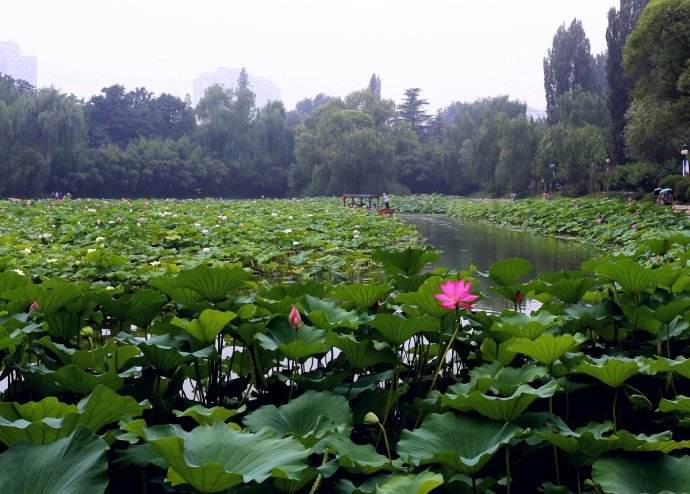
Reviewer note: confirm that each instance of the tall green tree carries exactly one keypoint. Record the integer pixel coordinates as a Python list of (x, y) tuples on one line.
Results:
[(568, 64), (375, 85), (412, 110), (621, 24), (657, 58)]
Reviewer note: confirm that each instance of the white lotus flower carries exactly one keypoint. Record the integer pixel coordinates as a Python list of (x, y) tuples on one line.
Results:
[(19, 272)]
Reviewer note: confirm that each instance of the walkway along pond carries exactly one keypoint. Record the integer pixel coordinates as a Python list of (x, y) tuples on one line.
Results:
[(465, 243)]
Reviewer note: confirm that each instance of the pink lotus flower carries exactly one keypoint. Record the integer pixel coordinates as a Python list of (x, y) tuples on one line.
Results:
[(456, 295), (294, 318), (34, 306)]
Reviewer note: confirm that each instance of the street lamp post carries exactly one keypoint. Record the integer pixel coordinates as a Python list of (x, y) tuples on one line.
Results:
[(684, 153)]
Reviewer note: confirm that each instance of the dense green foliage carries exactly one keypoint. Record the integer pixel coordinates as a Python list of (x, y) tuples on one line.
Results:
[(122, 240), (203, 376), (622, 21), (657, 57)]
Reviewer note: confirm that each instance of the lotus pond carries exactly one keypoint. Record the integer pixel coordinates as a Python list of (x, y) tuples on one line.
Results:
[(136, 361)]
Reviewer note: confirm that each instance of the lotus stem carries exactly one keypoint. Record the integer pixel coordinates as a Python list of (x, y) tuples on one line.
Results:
[(613, 409), (445, 354), (557, 468), (319, 478), (385, 441)]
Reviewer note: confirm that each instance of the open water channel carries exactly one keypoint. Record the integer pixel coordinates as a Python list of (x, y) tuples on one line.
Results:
[(464, 242)]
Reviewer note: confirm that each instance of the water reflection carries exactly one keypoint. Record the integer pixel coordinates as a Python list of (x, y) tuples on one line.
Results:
[(464, 243)]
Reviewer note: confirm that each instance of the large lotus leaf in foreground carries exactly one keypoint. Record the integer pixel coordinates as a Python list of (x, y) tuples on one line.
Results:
[(422, 483), (525, 326), (361, 296), (209, 324), (397, 330), (612, 371), (73, 465), (47, 420), (547, 348), (407, 262), (628, 273), (509, 271), (645, 474), (294, 344), (506, 408), (310, 417), (213, 459), (463, 444), (362, 458)]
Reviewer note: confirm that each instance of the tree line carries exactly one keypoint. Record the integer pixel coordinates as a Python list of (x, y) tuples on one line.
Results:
[(614, 119)]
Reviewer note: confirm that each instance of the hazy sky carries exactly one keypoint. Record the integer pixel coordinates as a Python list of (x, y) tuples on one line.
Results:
[(452, 49)]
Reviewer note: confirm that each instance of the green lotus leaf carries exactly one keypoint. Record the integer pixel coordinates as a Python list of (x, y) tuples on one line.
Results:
[(526, 326), (547, 348), (71, 378), (208, 416), (216, 458), (612, 371), (680, 366), (653, 474), (139, 307), (51, 295), (213, 284), (500, 408), (99, 359), (407, 262), (209, 324), (662, 442), (396, 330), (294, 344), (180, 294), (361, 296), (629, 275), (9, 280), (570, 290), (424, 299), (681, 404), (49, 419), (670, 310), (421, 483), (463, 444), (393, 484), (493, 351), (361, 458), (163, 353), (74, 465), (310, 417), (505, 380), (584, 445), (509, 271), (326, 314), (361, 354)]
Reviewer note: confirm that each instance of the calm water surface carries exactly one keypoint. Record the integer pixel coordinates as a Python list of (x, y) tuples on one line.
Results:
[(464, 243)]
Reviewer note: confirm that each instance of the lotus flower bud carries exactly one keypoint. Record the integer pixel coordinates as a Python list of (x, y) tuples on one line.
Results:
[(371, 418), (294, 318), (34, 306), (86, 331)]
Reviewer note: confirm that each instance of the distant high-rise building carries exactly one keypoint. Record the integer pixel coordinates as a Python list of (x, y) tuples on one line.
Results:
[(264, 89), (16, 65)]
